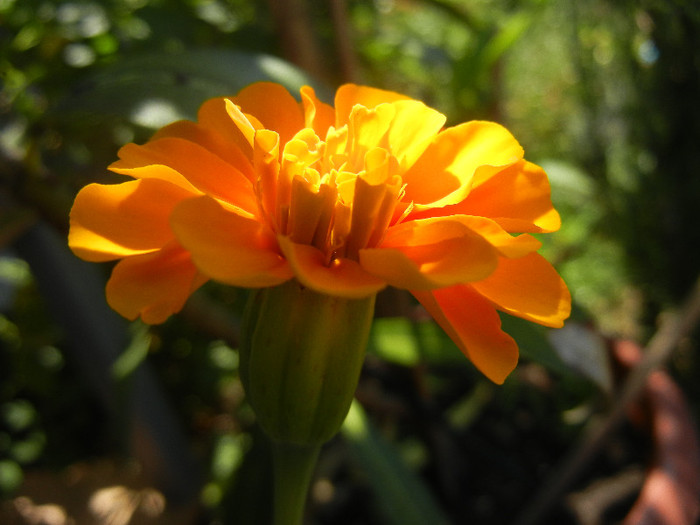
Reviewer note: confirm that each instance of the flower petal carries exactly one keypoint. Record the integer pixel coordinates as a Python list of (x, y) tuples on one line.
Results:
[(215, 116), (153, 285), (343, 277), (430, 253), (474, 325), (274, 107), (507, 245), (404, 128), (457, 159), (317, 115), (350, 95), (214, 142), (413, 127), (201, 168), (229, 247), (518, 198), (530, 288), (109, 221), (367, 129)]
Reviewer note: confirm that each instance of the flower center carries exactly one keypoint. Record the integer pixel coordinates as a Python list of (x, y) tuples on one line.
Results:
[(337, 194)]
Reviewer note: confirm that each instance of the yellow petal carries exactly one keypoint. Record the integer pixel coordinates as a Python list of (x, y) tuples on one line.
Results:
[(529, 288), (112, 221), (430, 253), (475, 327), (457, 159), (153, 286), (350, 95), (518, 198), (404, 128), (367, 129), (201, 168), (229, 247), (273, 106), (342, 277), (413, 127)]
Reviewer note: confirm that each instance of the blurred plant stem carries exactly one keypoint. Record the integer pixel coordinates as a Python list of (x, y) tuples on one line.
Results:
[(293, 469), (342, 29), (297, 38)]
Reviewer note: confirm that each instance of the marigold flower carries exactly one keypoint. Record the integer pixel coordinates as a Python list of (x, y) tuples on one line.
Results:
[(347, 200)]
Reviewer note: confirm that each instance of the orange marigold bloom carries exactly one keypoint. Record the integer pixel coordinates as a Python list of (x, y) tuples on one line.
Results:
[(347, 200)]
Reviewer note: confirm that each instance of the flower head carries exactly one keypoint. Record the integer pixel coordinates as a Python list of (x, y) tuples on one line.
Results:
[(347, 200)]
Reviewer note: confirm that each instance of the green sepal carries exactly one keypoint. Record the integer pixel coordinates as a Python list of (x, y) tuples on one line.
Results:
[(301, 357)]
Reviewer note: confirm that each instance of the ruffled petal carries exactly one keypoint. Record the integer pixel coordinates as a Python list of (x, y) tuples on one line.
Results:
[(350, 95), (404, 128), (474, 325), (430, 253), (153, 286), (507, 245), (201, 168), (413, 127), (342, 277), (459, 158), (214, 142), (133, 165), (229, 247), (517, 198), (318, 115), (215, 116), (274, 107), (529, 288), (112, 221)]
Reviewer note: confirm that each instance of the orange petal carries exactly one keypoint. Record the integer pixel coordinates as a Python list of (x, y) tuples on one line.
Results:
[(247, 124), (214, 115), (112, 221), (529, 288), (201, 168), (349, 95), (518, 198), (214, 142), (430, 253), (474, 325), (317, 115), (343, 277), (507, 245), (134, 162), (266, 159), (229, 247), (154, 285), (457, 159), (273, 106)]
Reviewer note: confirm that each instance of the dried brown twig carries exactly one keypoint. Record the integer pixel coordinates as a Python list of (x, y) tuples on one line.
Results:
[(674, 328)]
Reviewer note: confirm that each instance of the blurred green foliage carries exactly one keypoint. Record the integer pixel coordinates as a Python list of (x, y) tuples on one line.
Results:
[(600, 92)]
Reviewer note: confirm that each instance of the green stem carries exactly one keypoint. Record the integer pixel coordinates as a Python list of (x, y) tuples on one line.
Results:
[(293, 469)]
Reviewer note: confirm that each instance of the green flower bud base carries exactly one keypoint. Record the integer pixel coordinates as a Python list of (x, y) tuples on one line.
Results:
[(301, 357)]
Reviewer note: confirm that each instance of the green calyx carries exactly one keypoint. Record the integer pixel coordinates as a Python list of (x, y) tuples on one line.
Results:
[(301, 356)]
